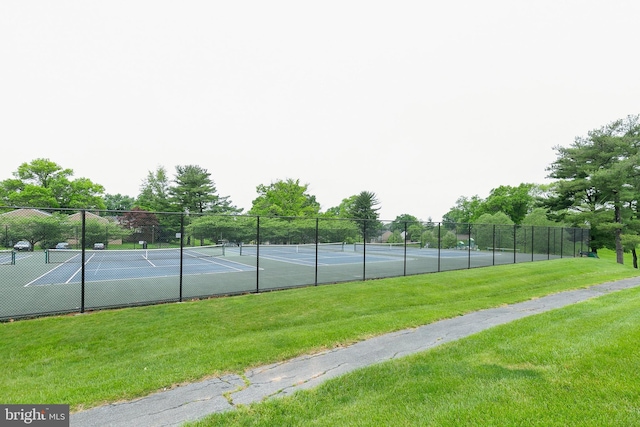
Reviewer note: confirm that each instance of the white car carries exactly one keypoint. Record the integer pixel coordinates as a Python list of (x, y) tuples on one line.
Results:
[(22, 245)]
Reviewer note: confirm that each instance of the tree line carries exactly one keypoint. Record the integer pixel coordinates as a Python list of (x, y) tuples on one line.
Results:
[(596, 184)]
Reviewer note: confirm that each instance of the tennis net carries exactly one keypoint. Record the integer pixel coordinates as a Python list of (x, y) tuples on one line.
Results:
[(385, 247), (7, 257), (292, 249), (56, 256)]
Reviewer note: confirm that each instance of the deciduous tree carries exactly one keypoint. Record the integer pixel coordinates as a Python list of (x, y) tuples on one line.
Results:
[(44, 183), (285, 198)]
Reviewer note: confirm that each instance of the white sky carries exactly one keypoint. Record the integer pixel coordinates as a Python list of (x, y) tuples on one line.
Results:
[(418, 101)]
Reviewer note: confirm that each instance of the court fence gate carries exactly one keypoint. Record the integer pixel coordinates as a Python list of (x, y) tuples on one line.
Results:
[(55, 261)]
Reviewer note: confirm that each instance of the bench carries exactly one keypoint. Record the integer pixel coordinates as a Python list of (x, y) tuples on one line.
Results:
[(589, 254)]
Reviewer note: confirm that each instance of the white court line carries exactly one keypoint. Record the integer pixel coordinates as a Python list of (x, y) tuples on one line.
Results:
[(38, 278), (78, 270), (220, 264)]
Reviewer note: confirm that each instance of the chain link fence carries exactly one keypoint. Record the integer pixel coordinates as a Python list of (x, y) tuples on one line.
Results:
[(62, 261)]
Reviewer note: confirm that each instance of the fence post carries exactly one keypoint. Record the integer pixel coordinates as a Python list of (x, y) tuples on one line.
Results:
[(469, 246), (82, 261), (258, 255), (532, 247), (439, 243), (315, 282), (493, 246), (515, 248), (364, 250), (181, 252), (405, 249)]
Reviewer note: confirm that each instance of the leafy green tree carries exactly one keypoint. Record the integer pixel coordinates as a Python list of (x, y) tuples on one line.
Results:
[(598, 181), (415, 231), (448, 239), (483, 228), (42, 172), (100, 231), (337, 230), (498, 218), (540, 217), (285, 198), (226, 228), (118, 202), (515, 202), (398, 224), (364, 211), (44, 231), (438, 237), (155, 197), (464, 211), (14, 192), (343, 209), (155, 192), (81, 193), (43, 183)]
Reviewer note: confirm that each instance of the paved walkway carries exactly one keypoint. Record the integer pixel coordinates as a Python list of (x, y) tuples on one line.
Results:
[(196, 400)]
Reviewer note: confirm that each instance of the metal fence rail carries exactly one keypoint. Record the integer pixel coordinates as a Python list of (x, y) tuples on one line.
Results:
[(76, 261)]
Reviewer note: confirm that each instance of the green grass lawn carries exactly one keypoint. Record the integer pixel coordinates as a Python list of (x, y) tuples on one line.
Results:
[(86, 360), (577, 366)]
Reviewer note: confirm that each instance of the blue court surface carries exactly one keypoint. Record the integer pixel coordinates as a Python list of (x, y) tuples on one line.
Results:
[(332, 255), (107, 268), (126, 265)]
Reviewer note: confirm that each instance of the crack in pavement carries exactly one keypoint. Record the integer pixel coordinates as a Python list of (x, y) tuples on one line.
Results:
[(197, 400)]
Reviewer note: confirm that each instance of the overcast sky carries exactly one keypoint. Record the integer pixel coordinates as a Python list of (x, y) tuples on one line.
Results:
[(420, 102)]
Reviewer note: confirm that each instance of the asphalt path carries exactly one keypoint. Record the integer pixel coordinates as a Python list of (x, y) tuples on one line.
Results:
[(197, 400)]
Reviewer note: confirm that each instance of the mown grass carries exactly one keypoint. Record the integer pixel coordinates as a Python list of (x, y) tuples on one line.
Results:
[(86, 360), (577, 366)]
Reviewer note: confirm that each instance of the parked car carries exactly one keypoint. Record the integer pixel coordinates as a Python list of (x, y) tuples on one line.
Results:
[(98, 246), (22, 245), (63, 245)]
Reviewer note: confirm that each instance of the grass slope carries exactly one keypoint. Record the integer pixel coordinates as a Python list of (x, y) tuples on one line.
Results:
[(577, 366), (87, 360)]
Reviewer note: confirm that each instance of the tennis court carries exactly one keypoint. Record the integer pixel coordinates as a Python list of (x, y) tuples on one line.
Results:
[(55, 281), (133, 264)]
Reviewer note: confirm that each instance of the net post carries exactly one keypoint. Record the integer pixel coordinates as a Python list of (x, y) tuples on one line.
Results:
[(13, 257)]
